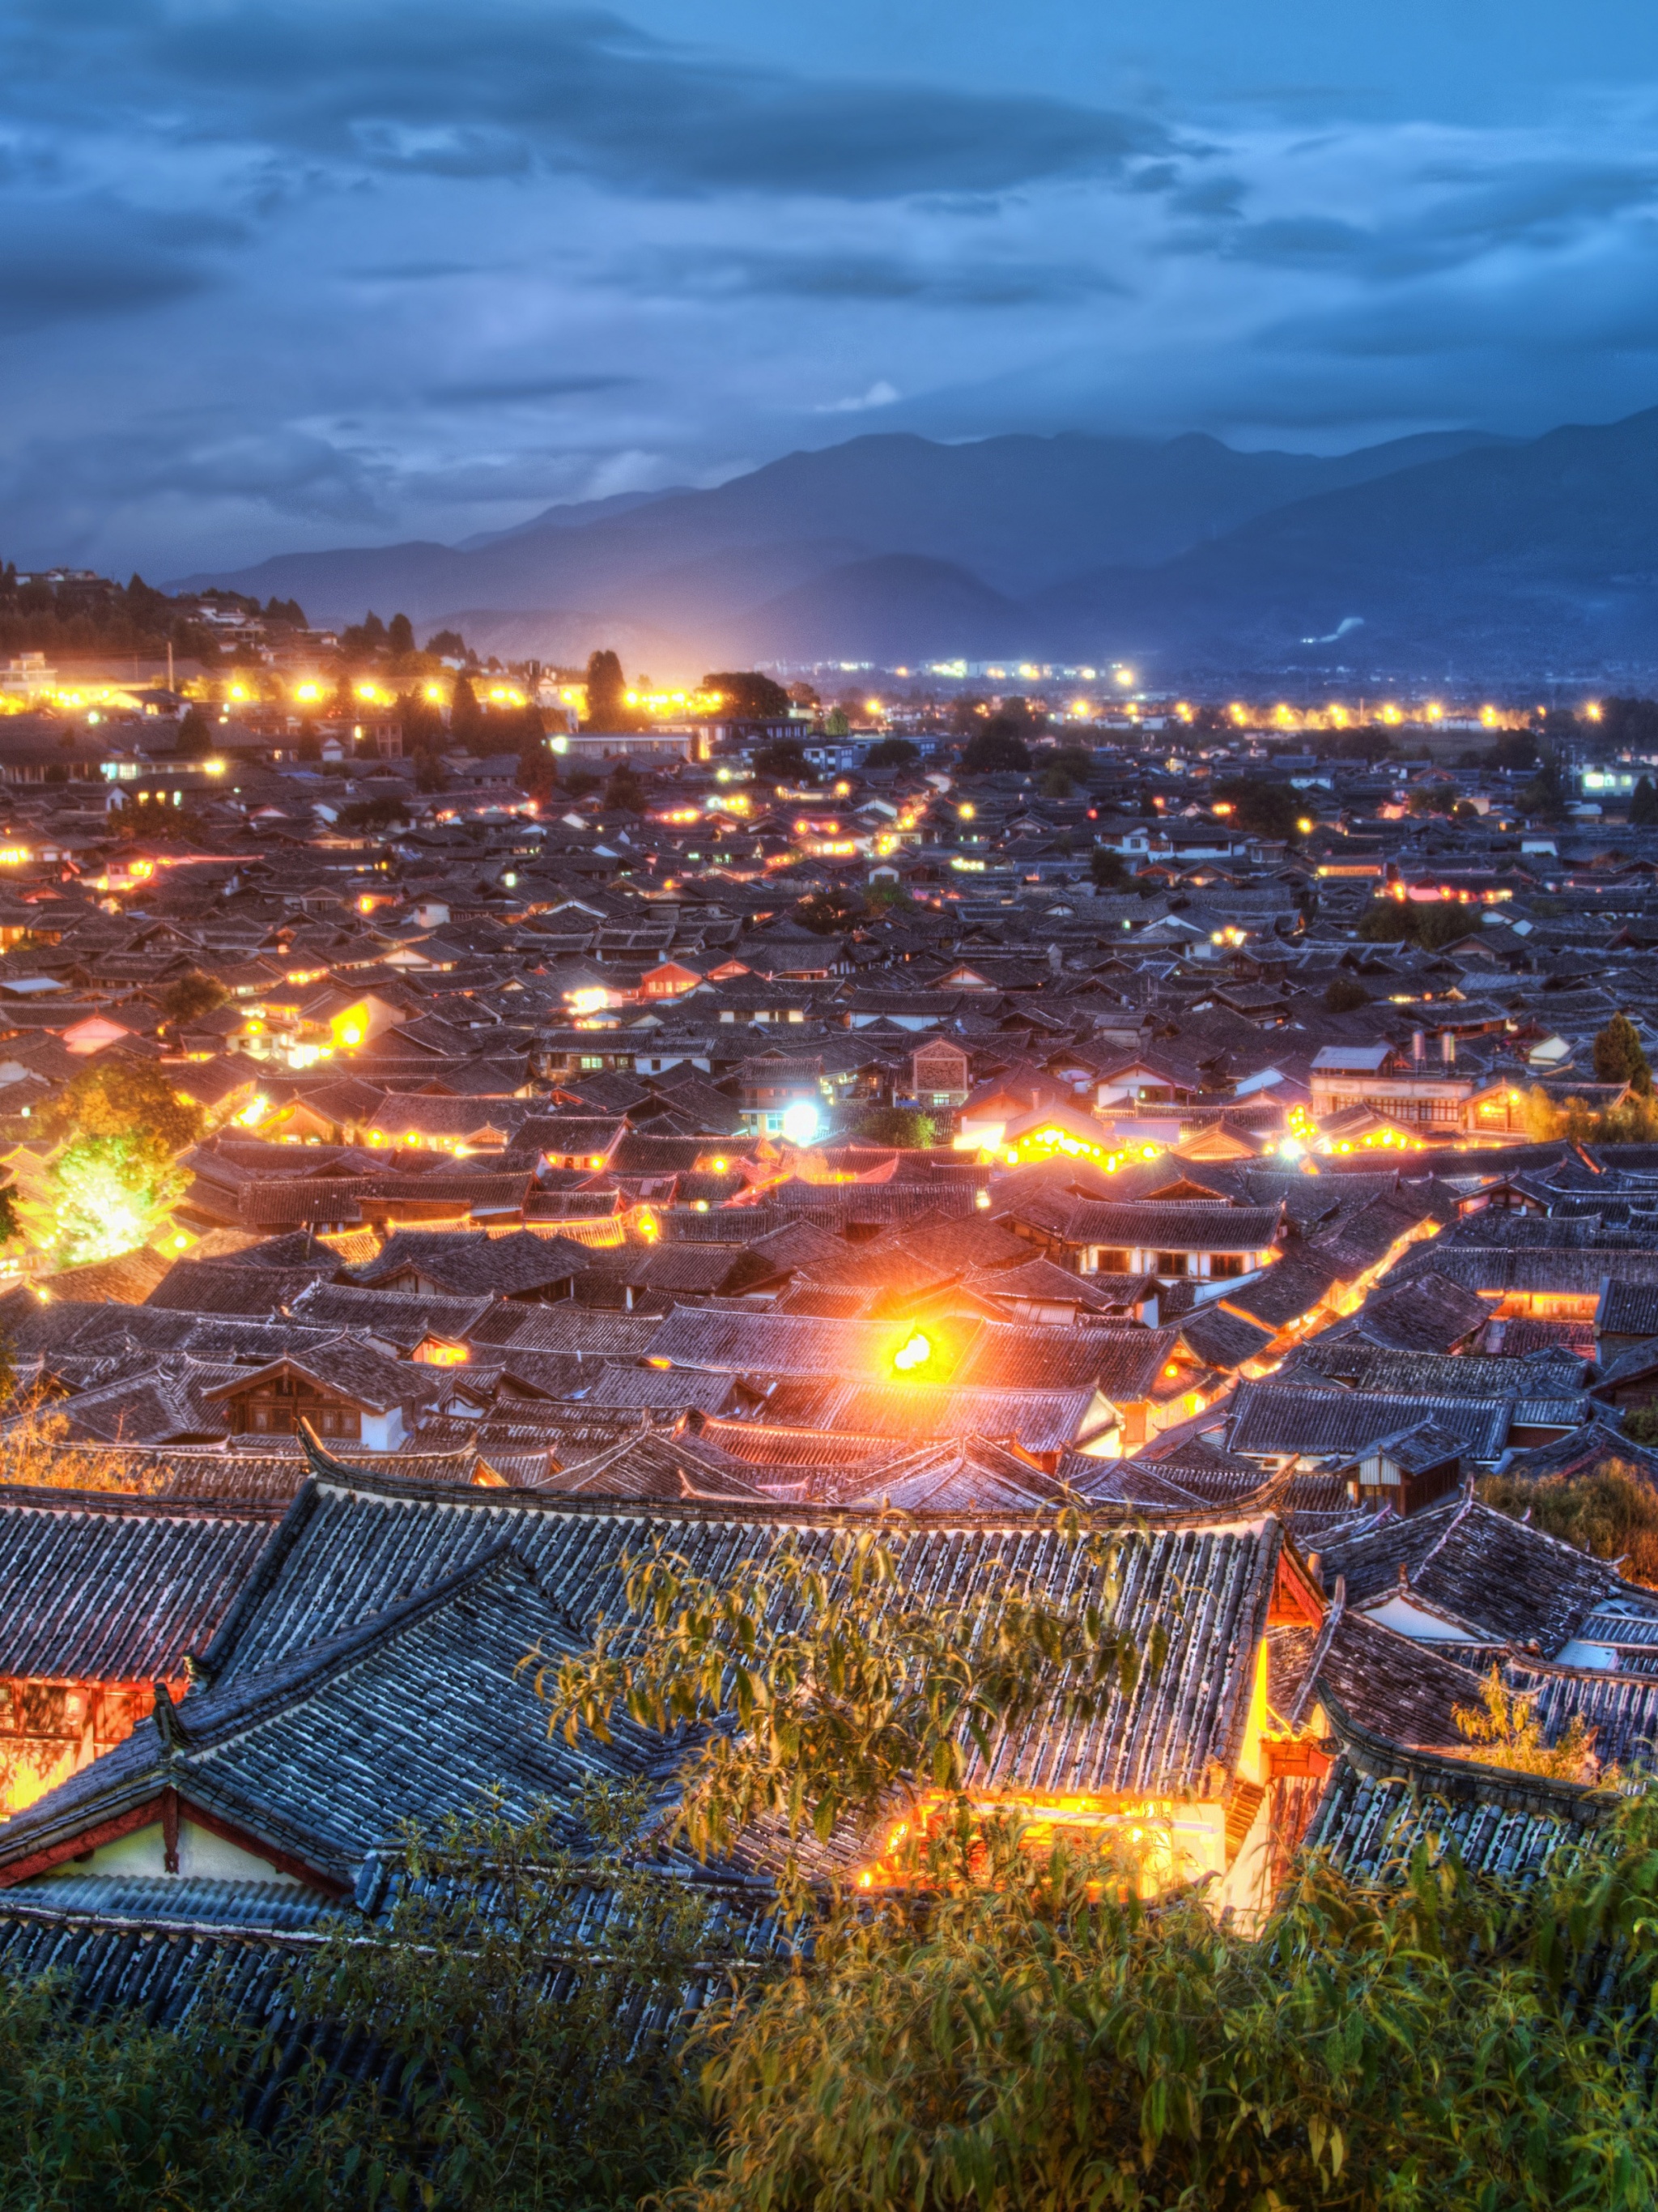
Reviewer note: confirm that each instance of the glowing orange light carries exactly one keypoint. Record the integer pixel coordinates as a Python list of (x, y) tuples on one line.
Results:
[(913, 1354)]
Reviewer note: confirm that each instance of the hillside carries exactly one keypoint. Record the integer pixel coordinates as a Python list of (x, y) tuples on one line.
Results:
[(1541, 556), (1021, 515)]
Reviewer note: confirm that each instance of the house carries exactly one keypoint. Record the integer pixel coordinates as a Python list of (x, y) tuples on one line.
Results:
[(105, 1595), (294, 1782), (780, 1097), (520, 1267), (1204, 1244), (1625, 1318), (279, 1766), (1407, 1470), (940, 1074), (340, 1388), (1404, 1088)]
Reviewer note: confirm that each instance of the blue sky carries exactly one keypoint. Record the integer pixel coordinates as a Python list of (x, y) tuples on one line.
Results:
[(275, 274)]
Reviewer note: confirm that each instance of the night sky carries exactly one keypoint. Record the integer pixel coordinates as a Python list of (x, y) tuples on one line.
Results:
[(284, 276)]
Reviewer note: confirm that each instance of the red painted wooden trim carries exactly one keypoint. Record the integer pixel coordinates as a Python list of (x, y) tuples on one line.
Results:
[(1296, 1600), (77, 1847), (147, 1815)]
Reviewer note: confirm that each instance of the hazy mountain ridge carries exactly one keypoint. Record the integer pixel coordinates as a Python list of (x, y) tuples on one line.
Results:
[(1447, 550), (1528, 553), (1023, 513)]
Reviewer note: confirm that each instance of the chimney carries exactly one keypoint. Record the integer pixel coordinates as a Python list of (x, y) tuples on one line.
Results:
[(1418, 1046), (1447, 1048)]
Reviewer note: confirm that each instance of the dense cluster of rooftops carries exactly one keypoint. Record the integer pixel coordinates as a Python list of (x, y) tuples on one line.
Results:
[(551, 1201)]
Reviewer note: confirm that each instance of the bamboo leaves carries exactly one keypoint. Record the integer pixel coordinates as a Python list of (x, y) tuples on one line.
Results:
[(812, 1683)]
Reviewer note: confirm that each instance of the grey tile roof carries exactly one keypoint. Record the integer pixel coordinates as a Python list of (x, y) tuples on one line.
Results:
[(350, 1547), (1269, 1419), (117, 1588), (1504, 1579), (325, 1754), (1374, 1815)]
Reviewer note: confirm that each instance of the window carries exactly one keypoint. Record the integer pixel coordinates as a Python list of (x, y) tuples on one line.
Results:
[(1226, 1263), (1170, 1263), (1109, 1261)]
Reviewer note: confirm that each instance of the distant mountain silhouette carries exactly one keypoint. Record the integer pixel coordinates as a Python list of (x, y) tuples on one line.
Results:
[(898, 609), (1023, 514), (1454, 551), (1542, 555)]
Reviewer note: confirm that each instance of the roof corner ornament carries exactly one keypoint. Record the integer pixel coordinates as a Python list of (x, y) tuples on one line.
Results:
[(169, 1728)]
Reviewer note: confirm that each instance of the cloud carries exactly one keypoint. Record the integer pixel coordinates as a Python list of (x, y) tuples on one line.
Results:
[(408, 272), (501, 87), (829, 273), (68, 260), (491, 392), (880, 394)]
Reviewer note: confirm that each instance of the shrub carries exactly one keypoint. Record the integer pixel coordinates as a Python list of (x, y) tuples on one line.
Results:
[(1612, 1514)]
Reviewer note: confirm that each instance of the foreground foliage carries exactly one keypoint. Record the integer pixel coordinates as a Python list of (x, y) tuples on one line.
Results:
[(558, 2016), (820, 1687), (1504, 1729), (1610, 1515), (1038, 2041), (1019, 2034)]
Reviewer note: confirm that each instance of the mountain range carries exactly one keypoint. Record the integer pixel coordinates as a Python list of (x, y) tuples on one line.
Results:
[(1453, 554)]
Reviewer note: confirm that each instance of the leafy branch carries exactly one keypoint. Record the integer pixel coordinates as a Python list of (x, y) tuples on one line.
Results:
[(814, 1683)]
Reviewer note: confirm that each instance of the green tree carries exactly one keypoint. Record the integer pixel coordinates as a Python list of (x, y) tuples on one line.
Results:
[(1038, 2037), (1109, 870), (364, 640), (1643, 804), (1619, 1056), (745, 696), (422, 723), (123, 1097), (400, 636), (196, 734), (466, 715), (892, 752), (833, 912), (785, 762), (1612, 1514), (1344, 994), (122, 1126), (1432, 923), (836, 723), (1263, 809), (607, 695), (1516, 751), (191, 996), (837, 1689), (889, 898), (900, 1126), (625, 791), (1545, 795), (996, 748), (1504, 1729), (378, 813)]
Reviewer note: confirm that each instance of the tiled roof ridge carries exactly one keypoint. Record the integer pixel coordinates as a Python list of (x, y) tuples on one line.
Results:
[(253, 1697)]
